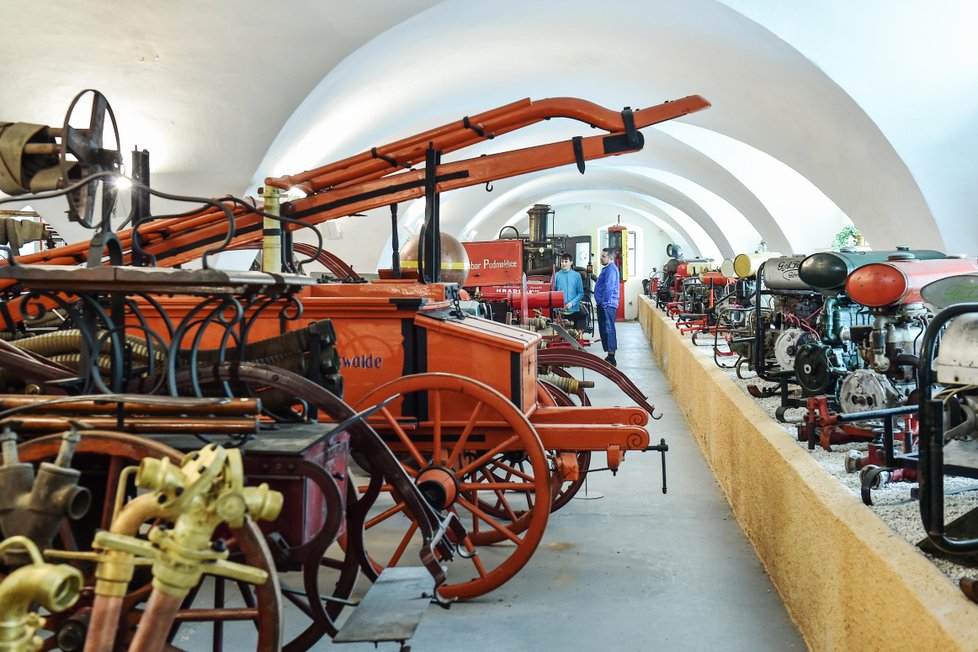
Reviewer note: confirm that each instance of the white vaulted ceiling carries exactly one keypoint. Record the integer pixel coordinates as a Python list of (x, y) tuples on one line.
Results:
[(824, 112)]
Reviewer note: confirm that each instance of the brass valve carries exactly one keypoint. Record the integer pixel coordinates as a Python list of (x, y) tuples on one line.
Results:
[(537, 324), (54, 586), (204, 492), (35, 505)]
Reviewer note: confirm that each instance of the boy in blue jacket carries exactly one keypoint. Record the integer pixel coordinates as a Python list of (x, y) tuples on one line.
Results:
[(568, 281), (606, 292)]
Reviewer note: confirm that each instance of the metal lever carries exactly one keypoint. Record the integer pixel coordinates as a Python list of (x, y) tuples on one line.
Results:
[(663, 448)]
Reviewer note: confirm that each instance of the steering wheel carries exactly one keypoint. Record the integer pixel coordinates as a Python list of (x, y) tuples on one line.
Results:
[(85, 145)]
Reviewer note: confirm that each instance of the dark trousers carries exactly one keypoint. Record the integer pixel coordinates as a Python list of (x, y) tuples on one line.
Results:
[(606, 327), (579, 319)]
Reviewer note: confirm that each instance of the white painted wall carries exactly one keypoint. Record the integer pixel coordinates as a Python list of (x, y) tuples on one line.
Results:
[(580, 219)]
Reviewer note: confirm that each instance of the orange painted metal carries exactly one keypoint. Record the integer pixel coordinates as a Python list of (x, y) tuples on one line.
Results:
[(471, 130), (382, 338), (900, 281), (716, 278), (390, 329), (592, 436), (565, 463), (496, 262), (377, 178), (444, 480), (588, 414)]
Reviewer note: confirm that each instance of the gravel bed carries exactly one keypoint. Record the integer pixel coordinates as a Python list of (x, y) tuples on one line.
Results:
[(892, 502)]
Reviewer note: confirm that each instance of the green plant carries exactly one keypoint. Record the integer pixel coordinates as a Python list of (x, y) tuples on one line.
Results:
[(845, 238)]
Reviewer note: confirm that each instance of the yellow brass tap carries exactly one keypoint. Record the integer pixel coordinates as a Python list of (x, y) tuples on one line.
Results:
[(206, 491), (54, 586)]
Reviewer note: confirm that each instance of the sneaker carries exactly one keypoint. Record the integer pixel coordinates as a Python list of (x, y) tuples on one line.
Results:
[(610, 359)]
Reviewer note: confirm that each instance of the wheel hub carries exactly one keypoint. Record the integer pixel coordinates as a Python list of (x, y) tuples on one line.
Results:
[(438, 486)]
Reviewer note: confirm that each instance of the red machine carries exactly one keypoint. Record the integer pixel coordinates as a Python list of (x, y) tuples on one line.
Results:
[(618, 242), (498, 268), (899, 281)]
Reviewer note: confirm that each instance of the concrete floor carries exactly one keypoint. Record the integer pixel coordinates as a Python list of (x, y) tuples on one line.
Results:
[(631, 570)]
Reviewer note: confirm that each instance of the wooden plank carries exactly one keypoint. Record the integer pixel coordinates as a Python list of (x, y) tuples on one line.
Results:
[(392, 608)]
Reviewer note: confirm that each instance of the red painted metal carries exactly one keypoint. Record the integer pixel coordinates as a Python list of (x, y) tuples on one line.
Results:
[(717, 279), (496, 262), (537, 298), (899, 281)]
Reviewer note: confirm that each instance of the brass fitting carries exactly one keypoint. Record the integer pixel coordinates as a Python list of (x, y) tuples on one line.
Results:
[(54, 586), (569, 385), (35, 506), (206, 491)]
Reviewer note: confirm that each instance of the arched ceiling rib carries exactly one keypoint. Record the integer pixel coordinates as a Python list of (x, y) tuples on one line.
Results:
[(911, 66), (677, 226), (764, 93), (530, 188), (642, 205), (638, 203), (872, 102)]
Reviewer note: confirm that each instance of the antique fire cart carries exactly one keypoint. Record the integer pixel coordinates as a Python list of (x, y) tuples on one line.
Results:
[(458, 449)]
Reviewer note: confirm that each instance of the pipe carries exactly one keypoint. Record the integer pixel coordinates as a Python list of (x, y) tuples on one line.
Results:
[(69, 441), (965, 428), (830, 310), (155, 624), (196, 498), (39, 403), (877, 339), (114, 572), (8, 442), (271, 250), (159, 425), (104, 623)]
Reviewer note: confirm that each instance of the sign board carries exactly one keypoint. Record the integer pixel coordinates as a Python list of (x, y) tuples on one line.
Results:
[(497, 262)]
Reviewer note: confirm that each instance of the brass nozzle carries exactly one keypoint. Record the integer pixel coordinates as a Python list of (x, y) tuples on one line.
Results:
[(158, 475), (54, 586), (263, 503)]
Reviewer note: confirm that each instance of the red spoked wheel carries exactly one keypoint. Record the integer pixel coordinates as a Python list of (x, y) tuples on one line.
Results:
[(453, 434)]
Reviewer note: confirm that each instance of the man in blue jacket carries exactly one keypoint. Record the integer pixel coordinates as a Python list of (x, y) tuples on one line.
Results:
[(568, 281), (606, 292)]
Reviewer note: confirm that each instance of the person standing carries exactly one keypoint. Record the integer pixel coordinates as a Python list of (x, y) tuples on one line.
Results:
[(568, 281), (606, 292)]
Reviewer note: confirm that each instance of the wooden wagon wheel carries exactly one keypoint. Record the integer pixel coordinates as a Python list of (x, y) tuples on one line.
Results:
[(112, 452), (317, 570), (453, 462), (504, 468)]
